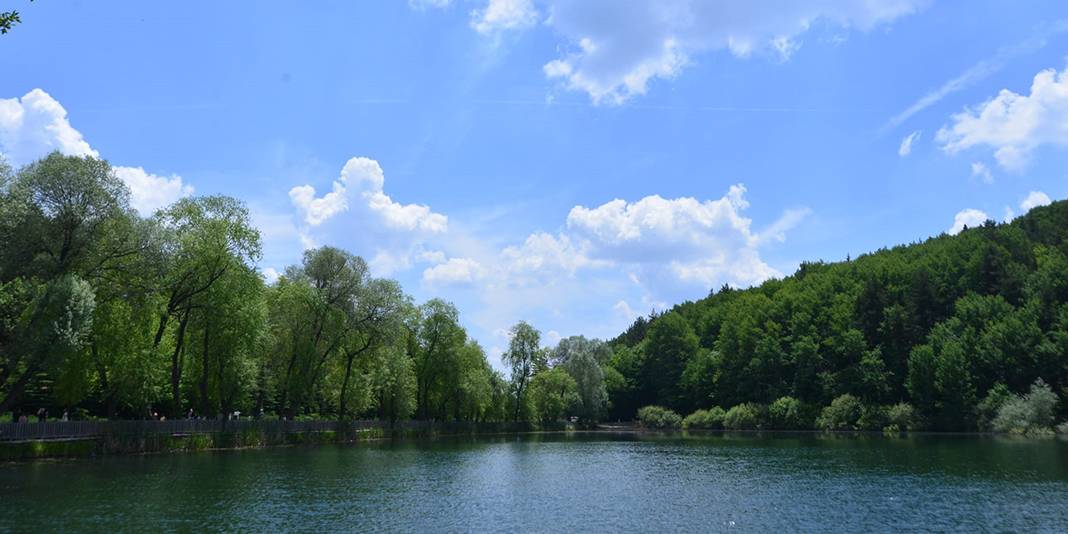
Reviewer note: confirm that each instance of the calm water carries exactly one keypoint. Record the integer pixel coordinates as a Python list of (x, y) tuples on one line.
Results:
[(560, 483)]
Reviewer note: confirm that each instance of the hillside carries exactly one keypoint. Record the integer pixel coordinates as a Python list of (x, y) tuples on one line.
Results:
[(939, 324)]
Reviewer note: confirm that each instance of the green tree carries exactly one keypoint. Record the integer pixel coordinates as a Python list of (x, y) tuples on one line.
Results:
[(523, 357)]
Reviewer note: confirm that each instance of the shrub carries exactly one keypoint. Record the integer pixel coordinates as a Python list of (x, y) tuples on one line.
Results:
[(744, 416), (659, 418), (900, 417), (843, 414), (988, 408), (711, 419), (873, 417), (1027, 414), (788, 413)]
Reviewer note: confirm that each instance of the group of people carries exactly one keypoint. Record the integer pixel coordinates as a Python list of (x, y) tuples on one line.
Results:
[(41, 415)]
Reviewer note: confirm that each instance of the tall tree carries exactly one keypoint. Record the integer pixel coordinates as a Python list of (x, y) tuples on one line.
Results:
[(523, 357)]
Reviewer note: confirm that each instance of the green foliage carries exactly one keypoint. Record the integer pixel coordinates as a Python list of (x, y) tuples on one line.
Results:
[(844, 413), (900, 418), (936, 324), (668, 348), (524, 356), (659, 418), (1027, 414), (788, 413), (711, 419), (988, 408), (553, 394), (582, 359), (745, 416)]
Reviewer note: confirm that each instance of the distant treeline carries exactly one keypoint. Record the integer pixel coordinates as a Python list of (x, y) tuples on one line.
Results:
[(108, 314), (104, 313), (939, 335)]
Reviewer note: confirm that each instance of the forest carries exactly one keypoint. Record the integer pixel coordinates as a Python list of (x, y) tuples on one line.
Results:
[(108, 314)]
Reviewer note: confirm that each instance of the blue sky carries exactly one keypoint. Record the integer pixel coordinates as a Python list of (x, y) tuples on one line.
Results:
[(568, 163)]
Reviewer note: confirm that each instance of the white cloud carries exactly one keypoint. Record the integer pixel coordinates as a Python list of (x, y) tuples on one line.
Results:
[(1034, 199), (149, 192), (363, 178), (270, 274), (1014, 125), (454, 271), (678, 241), (35, 125), (617, 48), (706, 243), (968, 217), (552, 337), (906, 143), (982, 172), (624, 310), (499, 15), (980, 71)]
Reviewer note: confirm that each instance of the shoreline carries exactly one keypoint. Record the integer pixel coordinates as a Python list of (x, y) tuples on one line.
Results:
[(101, 446)]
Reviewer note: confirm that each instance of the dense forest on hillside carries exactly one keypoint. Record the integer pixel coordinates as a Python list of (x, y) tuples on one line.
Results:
[(941, 334), (105, 313)]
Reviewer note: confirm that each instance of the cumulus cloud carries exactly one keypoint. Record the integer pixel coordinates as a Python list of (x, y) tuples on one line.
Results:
[(1034, 199), (1014, 125), (616, 48), (499, 15), (982, 172), (967, 218), (683, 240), (704, 242), (454, 271), (33, 126), (149, 192), (906, 143), (363, 179)]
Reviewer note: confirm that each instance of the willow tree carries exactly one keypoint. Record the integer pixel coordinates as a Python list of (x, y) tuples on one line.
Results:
[(63, 222), (523, 356), (204, 238)]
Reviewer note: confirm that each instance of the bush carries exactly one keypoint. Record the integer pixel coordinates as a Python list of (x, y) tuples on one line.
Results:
[(744, 416), (788, 413), (900, 417), (988, 408), (711, 419), (843, 414), (1027, 414), (659, 418), (873, 417)]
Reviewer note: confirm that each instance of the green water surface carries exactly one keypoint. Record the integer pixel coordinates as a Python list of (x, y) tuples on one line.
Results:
[(562, 483)]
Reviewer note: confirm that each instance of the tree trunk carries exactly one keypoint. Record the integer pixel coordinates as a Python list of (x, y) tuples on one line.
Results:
[(345, 386), (204, 407), (16, 390), (176, 367)]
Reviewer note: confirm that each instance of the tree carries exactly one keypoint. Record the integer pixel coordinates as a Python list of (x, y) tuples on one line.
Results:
[(670, 346), (204, 238), (55, 327), (437, 341), (582, 358), (523, 357), (553, 393)]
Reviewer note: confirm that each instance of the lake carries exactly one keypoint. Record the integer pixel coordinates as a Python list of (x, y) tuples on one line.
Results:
[(558, 482)]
